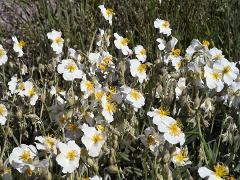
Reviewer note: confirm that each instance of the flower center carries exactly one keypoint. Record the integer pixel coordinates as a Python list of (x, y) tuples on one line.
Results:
[(21, 43), (135, 95), (58, 40), (96, 138), (226, 70), (141, 68), (143, 52), (100, 127), (25, 156), (215, 75), (151, 140), (2, 52), (124, 41), (31, 92), (99, 95), (49, 142), (205, 43), (176, 52), (166, 24), (220, 170), (71, 155), (2, 110), (110, 107), (109, 11), (181, 156), (162, 112), (21, 86), (71, 67), (174, 129), (89, 85), (217, 56)]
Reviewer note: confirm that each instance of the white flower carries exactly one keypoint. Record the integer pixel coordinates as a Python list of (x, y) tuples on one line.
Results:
[(122, 44), (108, 109), (150, 139), (59, 94), (213, 79), (228, 70), (3, 55), (140, 53), (12, 85), (180, 157), (95, 178), (107, 13), (31, 92), (92, 139), (46, 143), (87, 87), (160, 114), (163, 26), (216, 54), (22, 157), (69, 156), (162, 44), (94, 58), (70, 70), (134, 97), (172, 131), (138, 70), (181, 85), (103, 38), (177, 62), (18, 45), (3, 114), (57, 41), (219, 173)]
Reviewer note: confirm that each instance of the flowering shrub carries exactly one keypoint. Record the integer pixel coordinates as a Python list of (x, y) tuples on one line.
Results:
[(93, 115)]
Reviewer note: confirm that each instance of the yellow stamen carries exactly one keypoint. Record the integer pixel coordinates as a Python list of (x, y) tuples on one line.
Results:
[(135, 95), (163, 112), (71, 67), (49, 142), (124, 41), (63, 119), (21, 43), (99, 95), (215, 75), (109, 12), (205, 43), (226, 70), (141, 68), (176, 52), (31, 92), (143, 52), (110, 107), (96, 138), (174, 129), (220, 170), (25, 156), (181, 156), (58, 40), (21, 86), (151, 140), (71, 155), (101, 127), (2, 110), (166, 24), (2, 52), (89, 85)]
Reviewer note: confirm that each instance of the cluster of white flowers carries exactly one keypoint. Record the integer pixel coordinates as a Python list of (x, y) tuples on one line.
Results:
[(98, 89)]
